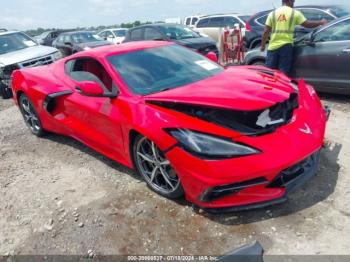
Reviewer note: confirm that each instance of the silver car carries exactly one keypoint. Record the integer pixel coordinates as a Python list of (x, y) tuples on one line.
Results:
[(321, 57), (18, 50)]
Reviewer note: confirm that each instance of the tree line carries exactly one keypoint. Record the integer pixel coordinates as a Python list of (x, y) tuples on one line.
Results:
[(40, 30)]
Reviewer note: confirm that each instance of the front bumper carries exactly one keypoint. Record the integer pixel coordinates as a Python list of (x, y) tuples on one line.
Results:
[(289, 179)]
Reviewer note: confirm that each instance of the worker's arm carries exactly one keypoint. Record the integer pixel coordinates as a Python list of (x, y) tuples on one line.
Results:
[(265, 37), (313, 24)]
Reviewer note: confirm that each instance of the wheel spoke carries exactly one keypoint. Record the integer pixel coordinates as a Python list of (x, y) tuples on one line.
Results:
[(146, 158), (166, 178), (154, 151), (165, 163), (154, 172), (26, 108), (27, 117)]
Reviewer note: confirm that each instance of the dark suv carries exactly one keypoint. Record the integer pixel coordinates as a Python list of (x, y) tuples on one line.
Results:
[(179, 34), (255, 25), (48, 37)]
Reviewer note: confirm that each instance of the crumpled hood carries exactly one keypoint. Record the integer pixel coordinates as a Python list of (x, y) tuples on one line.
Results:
[(93, 44), (26, 54), (239, 88)]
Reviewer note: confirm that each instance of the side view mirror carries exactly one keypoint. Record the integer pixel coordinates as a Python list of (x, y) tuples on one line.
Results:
[(90, 88), (213, 57), (94, 89)]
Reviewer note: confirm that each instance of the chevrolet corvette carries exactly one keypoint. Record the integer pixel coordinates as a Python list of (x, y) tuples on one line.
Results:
[(227, 139)]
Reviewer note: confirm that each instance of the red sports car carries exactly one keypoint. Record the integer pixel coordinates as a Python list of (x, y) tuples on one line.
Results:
[(228, 139)]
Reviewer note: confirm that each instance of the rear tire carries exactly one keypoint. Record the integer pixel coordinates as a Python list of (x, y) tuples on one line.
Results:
[(155, 169), (30, 116)]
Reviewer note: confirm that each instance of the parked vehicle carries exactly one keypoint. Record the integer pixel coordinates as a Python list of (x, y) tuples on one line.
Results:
[(191, 21), (73, 42), (18, 50), (48, 37), (211, 25), (255, 25), (179, 34), (321, 57), (187, 125), (114, 35)]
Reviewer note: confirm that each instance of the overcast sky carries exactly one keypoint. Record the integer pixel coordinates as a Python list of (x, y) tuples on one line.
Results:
[(30, 14)]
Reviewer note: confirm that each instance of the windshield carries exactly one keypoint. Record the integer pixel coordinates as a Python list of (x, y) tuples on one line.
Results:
[(158, 69), (14, 42), (120, 33), (43, 35), (244, 18), (340, 11), (85, 37), (178, 32)]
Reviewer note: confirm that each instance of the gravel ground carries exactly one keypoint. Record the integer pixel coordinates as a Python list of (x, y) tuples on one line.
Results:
[(60, 197)]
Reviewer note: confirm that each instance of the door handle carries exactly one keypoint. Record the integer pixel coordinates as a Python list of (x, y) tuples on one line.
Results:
[(346, 51)]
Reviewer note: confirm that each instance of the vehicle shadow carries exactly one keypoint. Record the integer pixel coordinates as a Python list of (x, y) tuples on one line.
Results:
[(87, 150), (314, 191)]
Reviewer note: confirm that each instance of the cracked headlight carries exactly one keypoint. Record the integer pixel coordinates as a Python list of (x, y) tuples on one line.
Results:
[(57, 55), (209, 146)]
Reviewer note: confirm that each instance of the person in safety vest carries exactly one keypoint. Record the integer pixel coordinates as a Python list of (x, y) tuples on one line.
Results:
[(281, 25)]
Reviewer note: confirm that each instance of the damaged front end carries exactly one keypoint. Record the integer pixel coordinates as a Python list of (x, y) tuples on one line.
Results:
[(5, 80), (250, 123)]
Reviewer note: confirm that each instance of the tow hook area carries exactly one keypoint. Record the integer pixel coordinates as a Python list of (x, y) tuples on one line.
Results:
[(327, 110)]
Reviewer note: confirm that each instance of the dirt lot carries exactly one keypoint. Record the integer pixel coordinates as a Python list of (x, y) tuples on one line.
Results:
[(60, 197)]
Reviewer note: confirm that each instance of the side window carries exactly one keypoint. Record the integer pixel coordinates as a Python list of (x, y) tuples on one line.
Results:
[(66, 39), (54, 35), (136, 34), (194, 20), (103, 34), (88, 69), (109, 34), (60, 39), (337, 32), (231, 21), (203, 23), (188, 21), (262, 20), (316, 15), (217, 22), (152, 34)]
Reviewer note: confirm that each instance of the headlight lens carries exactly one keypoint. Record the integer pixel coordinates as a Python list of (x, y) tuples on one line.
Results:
[(57, 55), (208, 146)]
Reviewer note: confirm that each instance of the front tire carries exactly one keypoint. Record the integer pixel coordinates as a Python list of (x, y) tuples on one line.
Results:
[(155, 169), (30, 116)]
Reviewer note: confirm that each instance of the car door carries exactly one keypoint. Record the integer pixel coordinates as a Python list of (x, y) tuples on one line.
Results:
[(64, 44), (325, 62), (95, 121)]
